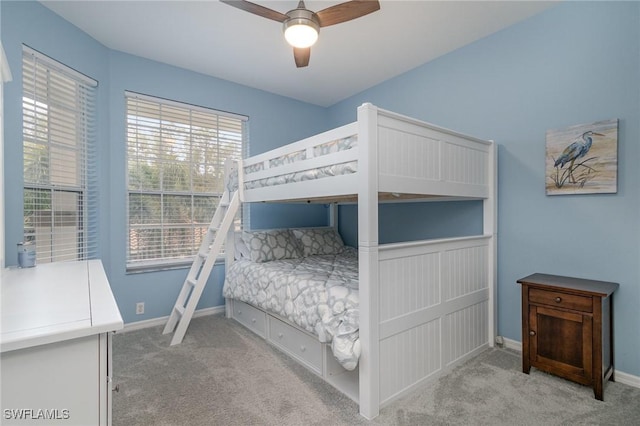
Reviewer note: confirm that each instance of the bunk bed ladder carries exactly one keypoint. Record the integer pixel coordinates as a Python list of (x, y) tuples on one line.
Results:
[(201, 268)]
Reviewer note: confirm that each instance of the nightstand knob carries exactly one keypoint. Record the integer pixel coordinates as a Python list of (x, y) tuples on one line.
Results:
[(558, 299), (532, 333)]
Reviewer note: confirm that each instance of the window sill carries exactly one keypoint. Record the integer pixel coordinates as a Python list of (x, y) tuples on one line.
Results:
[(167, 265)]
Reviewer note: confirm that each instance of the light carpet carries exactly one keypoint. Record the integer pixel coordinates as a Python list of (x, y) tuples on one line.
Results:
[(223, 374)]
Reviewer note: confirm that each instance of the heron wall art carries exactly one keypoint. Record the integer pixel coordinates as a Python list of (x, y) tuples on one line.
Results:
[(583, 159)]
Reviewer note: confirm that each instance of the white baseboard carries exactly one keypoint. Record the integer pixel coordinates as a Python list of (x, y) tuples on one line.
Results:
[(619, 376), (512, 344), (627, 379), (139, 325)]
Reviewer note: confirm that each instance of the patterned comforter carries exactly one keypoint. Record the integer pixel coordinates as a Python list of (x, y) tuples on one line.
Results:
[(318, 293)]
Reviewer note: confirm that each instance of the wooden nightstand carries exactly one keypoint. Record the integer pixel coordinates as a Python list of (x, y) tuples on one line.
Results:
[(567, 328)]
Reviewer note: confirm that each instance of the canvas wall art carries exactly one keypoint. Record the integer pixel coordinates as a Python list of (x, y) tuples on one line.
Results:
[(583, 159)]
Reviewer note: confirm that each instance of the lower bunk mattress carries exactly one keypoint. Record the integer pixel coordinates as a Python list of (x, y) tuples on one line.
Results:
[(318, 293)]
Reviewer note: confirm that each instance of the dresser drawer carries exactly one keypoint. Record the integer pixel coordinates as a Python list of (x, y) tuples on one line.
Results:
[(562, 300), (250, 317), (302, 346)]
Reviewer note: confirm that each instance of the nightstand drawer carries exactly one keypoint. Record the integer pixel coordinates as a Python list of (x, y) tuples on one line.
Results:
[(561, 300)]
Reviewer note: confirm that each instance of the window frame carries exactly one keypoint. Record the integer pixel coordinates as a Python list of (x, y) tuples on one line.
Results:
[(52, 126), (168, 263)]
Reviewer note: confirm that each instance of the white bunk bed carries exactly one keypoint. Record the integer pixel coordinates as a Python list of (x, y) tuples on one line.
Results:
[(424, 306)]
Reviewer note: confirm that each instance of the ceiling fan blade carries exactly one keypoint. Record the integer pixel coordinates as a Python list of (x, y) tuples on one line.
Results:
[(256, 9), (346, 11), (301, 55)]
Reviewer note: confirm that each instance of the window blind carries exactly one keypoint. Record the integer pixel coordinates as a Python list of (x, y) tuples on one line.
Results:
[(175, 176), (59, 148)]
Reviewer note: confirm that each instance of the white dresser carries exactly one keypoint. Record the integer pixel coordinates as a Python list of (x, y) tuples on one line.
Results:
[(55, 344)]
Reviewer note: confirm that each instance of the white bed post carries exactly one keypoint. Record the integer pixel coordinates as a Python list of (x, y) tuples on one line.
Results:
[(490, 214), (333, 216), (230, 241), (369, 368)]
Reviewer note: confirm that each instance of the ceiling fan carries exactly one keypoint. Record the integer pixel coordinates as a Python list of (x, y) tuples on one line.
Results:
[(301, 25)]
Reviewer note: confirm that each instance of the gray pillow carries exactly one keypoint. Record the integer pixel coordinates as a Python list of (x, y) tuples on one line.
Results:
[(319, 241), (265, 246)]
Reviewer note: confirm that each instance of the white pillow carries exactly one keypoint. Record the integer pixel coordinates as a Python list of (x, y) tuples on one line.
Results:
[(241, 249)]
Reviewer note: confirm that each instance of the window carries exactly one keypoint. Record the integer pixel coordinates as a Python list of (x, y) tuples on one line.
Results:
[(175, 169), (60, 202)]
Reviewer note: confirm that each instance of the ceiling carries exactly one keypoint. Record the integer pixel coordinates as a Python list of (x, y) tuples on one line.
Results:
[(215, 39)]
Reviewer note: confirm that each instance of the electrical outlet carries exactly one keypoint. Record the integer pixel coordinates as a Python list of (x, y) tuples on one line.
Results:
[(139, 308)]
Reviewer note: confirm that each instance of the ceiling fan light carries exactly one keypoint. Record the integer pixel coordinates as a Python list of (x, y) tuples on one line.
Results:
[(301, 32), (301, 35)]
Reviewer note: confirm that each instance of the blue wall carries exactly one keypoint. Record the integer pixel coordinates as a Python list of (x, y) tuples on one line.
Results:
[(273, 121), (416, 221), (576, 63), (36, 26)]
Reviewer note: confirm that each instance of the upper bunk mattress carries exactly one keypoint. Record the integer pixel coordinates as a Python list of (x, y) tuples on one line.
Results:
[(318, 293), (275, 178)]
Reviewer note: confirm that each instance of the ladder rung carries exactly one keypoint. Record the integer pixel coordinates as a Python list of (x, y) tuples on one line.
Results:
[(191, 282), (179, 310), (203, 254), (223, 204), (213, 228)]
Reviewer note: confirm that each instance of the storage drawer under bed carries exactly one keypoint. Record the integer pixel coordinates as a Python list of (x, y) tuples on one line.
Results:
[(302, 346), (250, 317)]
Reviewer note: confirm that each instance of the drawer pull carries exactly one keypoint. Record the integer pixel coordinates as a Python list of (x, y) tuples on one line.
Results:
[(558, 299), (303, 348), (532, 333), (280, 335)]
